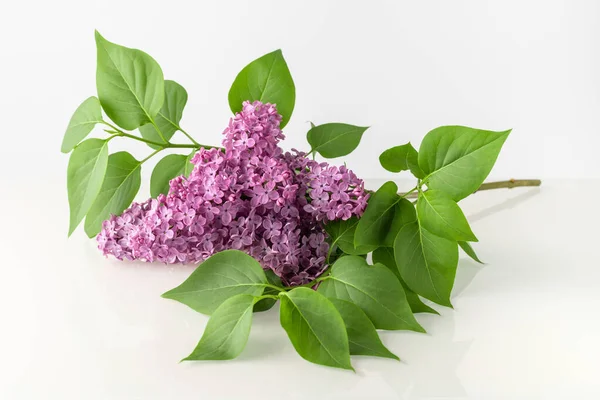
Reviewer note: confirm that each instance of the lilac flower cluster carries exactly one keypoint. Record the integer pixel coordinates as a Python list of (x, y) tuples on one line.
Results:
[(253, 197)]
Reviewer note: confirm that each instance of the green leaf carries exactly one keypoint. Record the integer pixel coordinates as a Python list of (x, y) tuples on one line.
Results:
[(169, 116), (227, 331), (266, 79), (335, 139), (404, 213), (385, 256), (166, 169), (85, 175), (402, 158), (374, 225), (468, 249), (457, 159), (130, 84), (87, 115), (315, 328), (440, 215), (362, 336), (375, 289), (268, 303), (189, 166), (342, 234), (223, 275), (427, 262), (121, 184)]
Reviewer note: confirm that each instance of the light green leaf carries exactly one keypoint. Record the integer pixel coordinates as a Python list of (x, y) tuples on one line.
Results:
[(362, 336), (468, 249), (166, 169), (373, 227), (169, 116), (87, 115), (85, 175), (335, 139), (457, 159), (268, 303), (440, 215), (121, 184), (227, 331), (427, 262), (189, 166), (223, 275), (385, 256), (374, 288), (130, 84), (401, 158), (342, 233), (266, 79), (315, 328)]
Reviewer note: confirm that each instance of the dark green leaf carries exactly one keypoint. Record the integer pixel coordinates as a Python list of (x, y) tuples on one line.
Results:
[(85, 175), (385, 256), (342, 235), (335, 139), (227, 331), (87, 115), (468, 249), (374, 288), (404, 213), (457, 159), (169, 116), (166, 169), (268, 303), (130, 84), (401, 158), (373, 227), (223, 275), (315, 328), (121, 184), (362, 336), (427, 262), (266, 79), (440, 215)]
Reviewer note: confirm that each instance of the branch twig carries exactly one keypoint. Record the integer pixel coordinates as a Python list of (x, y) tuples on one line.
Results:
[(513, 183)]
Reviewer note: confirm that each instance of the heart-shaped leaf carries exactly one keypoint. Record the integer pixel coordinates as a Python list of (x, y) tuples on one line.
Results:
[(440, 215), (266, 79), (402, 158), (335, 139), (87, 115), (374, 226), (385, 256), (169, 116), (362, 336), (457, 159), (315, 328), (121, 184), (374, 288), (130, 84), (223, 275), (342, 233), (427, 262), (166, 169), (85, 175), (227, 331)]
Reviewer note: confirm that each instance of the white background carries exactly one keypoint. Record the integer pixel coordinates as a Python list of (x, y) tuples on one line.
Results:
[(401, 67), (75, 325)]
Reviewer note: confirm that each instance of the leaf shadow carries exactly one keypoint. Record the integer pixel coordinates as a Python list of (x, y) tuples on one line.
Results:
[(505, 205)]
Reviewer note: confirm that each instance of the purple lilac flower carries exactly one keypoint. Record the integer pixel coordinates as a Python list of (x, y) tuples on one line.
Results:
[(254, 197)]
